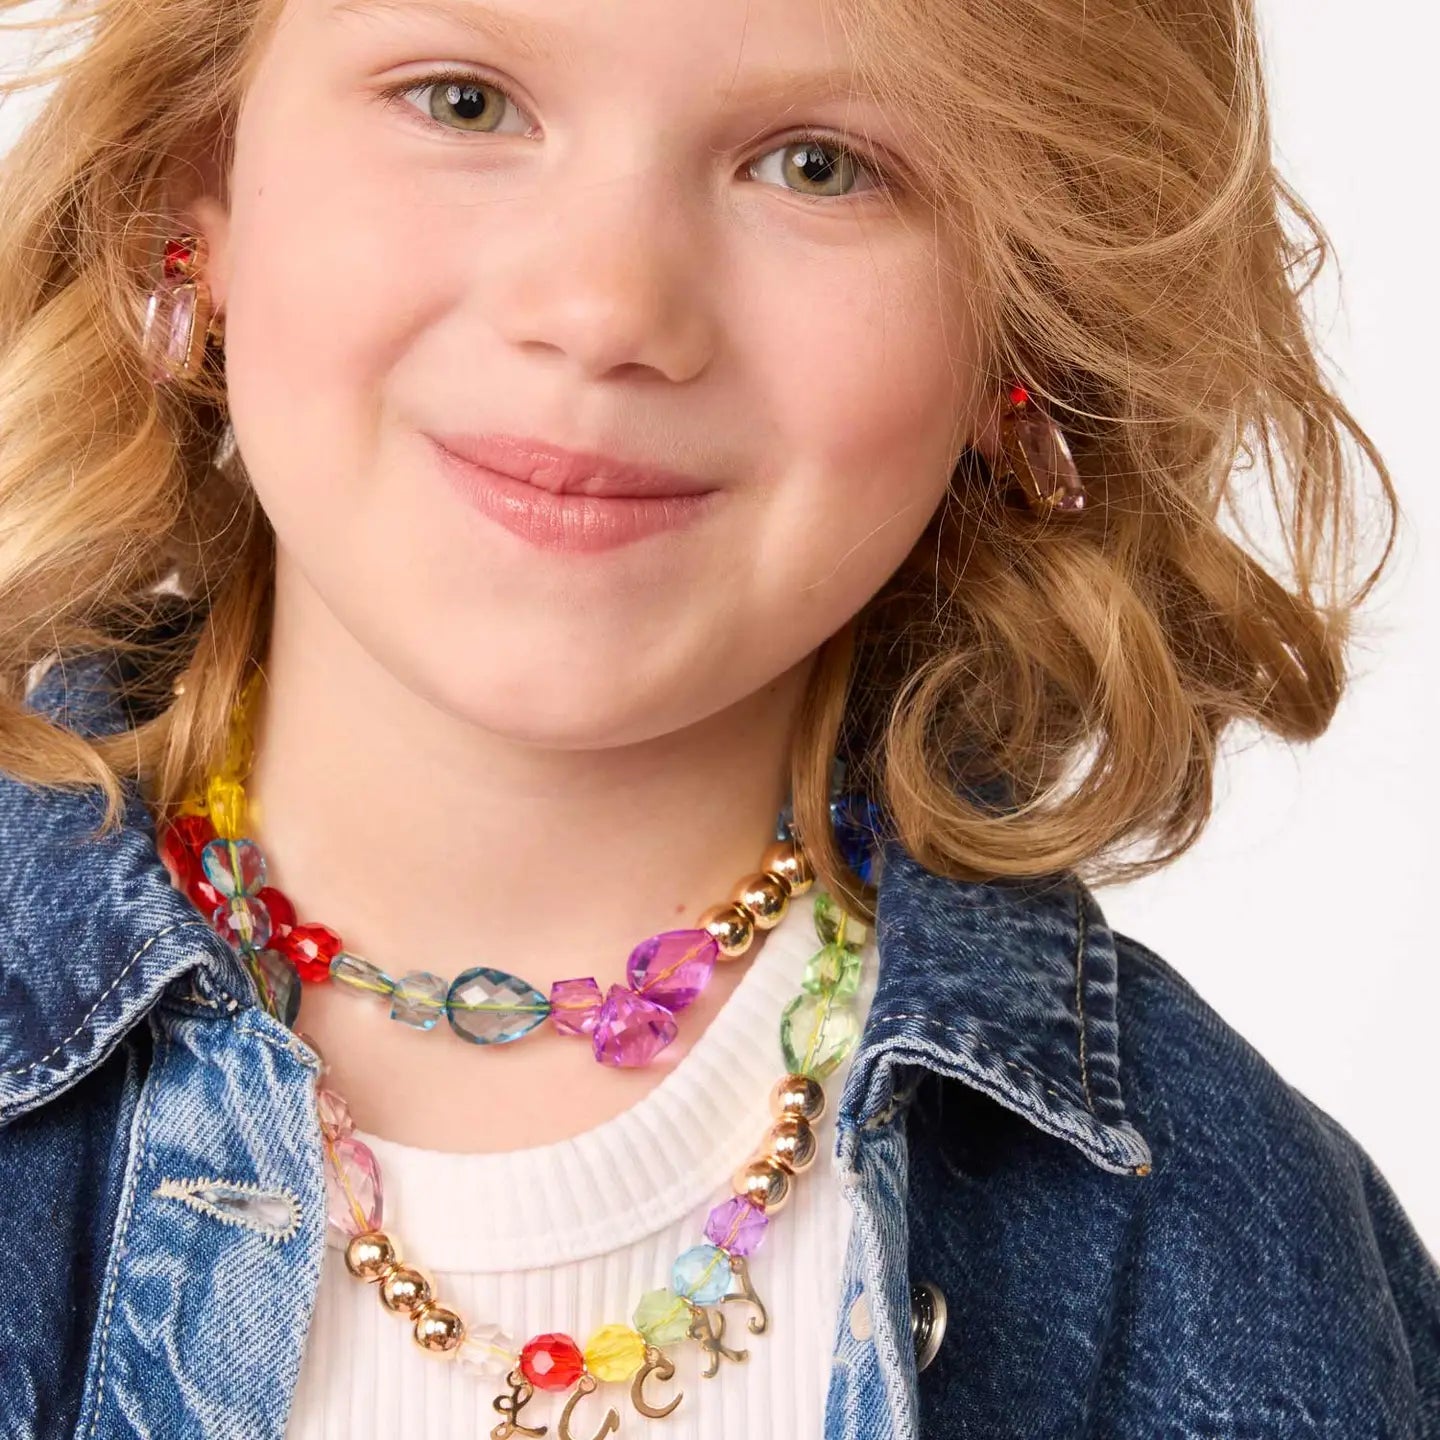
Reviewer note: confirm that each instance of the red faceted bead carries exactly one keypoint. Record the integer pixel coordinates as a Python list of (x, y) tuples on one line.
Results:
[(282, 912), (552, 1362), (310, 949), (179, 259)]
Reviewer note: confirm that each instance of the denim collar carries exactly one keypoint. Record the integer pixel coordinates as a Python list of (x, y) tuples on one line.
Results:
[(1009, 987)]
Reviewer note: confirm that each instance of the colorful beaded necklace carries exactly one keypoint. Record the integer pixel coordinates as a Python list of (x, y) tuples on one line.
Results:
[(819, 1027), (224, 874)]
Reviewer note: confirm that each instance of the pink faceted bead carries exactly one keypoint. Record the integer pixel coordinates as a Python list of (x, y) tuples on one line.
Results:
[(737, 1225), (630, 1030), (352, 1185), (575, 1006), (672, 968), (334, 1113)]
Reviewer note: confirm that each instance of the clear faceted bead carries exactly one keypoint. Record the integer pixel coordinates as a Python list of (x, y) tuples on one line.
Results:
[(833, 970), (488, 1351), (630, 1030), (357, 974), (491, 1007), (672, 968), (418, 999), (234, 867), (244, 922), (334, 1113), (816, 1033), (356, 1199), (279, 986)]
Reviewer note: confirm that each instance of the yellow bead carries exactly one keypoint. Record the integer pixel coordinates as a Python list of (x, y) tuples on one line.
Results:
[(405, 1289), (798, 1095), (225, 800), (614, 1352)]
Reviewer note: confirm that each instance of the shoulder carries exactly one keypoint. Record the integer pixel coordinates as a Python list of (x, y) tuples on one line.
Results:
[(1267, 1236)]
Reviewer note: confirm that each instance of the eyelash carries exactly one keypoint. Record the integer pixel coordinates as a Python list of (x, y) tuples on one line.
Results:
[(883, 175)]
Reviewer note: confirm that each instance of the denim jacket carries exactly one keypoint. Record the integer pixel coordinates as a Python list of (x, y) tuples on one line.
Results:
[(1090, 1207)]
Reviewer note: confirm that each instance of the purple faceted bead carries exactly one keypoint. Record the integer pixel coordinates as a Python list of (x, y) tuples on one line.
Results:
[(737, 1226), (631, 1030), (672, 968), (575, 1005)]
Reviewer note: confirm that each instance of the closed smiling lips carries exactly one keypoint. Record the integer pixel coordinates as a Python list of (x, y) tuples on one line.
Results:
[(561, 471)]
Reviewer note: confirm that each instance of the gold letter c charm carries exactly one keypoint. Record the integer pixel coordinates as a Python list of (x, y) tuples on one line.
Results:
[(657, 1363)]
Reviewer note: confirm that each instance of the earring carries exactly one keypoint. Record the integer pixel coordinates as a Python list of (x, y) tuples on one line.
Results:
[(1039, 456), (179, 316)]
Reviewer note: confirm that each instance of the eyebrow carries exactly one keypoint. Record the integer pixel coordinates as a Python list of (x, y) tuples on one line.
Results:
[(532, 39), (536, 40)]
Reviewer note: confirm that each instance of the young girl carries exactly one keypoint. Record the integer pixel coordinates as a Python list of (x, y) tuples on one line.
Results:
[(586, 590)]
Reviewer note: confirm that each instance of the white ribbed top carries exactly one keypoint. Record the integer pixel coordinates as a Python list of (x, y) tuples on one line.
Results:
[(568, 1236)]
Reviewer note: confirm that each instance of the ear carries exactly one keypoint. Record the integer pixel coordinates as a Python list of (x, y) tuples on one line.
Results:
[(211, 221), (986, 438)]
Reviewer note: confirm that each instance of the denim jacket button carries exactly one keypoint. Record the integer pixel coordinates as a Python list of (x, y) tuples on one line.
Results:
[(927, 1321)]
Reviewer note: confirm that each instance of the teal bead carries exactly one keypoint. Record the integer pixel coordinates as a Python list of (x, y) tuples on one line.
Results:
[(491, 1007), (702, 1274), (833, 970), (418, 999)]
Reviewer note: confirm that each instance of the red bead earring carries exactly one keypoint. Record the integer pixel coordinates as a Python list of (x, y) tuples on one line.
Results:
[(1038, 455), (179, 315)]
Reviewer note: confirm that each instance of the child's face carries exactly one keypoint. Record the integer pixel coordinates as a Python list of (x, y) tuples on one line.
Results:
[(623, 260)]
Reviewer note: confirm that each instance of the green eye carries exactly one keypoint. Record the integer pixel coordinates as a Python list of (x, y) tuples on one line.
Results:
[(817, 167)]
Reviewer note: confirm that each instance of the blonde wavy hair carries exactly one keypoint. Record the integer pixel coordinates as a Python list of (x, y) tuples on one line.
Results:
[(1106, 163)]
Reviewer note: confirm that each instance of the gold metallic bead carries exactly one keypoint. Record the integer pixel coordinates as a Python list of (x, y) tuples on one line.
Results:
[(371, 1256), (800, 1095), (763, 1182), (405, 1289), (438, 1329), (732, 927), (791, 1142), (765, 896), (787, 860)]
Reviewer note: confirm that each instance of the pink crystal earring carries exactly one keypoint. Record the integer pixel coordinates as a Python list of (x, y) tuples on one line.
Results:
[(179, 315), (1038, 455)]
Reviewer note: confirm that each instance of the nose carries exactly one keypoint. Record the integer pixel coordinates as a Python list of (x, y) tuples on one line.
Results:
[(611, 277)]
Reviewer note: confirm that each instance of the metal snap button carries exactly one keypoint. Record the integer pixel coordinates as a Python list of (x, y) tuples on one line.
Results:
[(927, 1321)]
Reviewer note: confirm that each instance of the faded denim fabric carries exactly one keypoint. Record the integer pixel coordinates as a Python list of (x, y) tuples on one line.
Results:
[(1141, 1231)]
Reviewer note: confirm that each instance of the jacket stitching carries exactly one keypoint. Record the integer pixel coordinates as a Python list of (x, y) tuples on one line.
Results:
[(1080, 922), (122, 1233), (186, 1191), (979, 1047), (85, 1019)]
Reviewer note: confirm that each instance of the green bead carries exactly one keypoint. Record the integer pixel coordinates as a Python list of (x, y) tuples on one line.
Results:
[(835, 970), (835, 927), (816, 1033), (662, 1317)]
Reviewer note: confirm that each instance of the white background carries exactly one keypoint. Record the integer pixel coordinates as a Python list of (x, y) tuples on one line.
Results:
[(1304, 914)]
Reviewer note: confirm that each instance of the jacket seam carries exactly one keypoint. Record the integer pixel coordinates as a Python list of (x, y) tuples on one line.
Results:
[(1082, 929), (122, 1232), (104, 995)]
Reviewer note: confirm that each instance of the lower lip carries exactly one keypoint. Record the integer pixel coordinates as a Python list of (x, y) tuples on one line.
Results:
[(577, 523)]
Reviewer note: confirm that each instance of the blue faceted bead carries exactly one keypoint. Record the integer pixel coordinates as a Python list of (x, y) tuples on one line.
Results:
[(491, 1007), (702, 1274), (418, 999), (854, 819)]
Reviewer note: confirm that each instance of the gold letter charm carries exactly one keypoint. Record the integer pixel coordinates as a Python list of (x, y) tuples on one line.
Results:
[(586, 1386), (708, 1327), (657, 1363), (741, 1270), (521, 1393)]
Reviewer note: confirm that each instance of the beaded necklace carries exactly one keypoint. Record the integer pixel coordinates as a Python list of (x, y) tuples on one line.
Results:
[(819, 1028)]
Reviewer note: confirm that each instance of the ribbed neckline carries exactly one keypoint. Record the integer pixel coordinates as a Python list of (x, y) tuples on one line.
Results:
[(634, 1173)]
